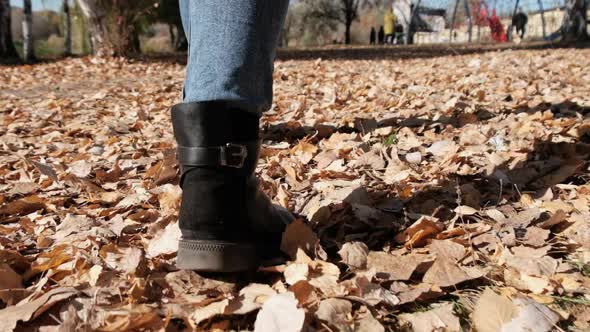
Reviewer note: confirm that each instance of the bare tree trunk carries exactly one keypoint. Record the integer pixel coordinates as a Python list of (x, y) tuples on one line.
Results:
[(172, 36), (543, 24), (68, 29), (453, 21), (347, 33), (7, 50), (98, 28), (28, 46), (412, 25), (574, 27), (469, 21)]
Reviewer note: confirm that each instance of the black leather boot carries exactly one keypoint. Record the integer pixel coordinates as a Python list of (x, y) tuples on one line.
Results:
[(228, 224)]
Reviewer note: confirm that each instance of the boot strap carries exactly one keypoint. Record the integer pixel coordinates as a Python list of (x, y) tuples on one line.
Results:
[(230, 155)]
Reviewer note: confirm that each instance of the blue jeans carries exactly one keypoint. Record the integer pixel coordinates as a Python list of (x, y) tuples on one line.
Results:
[(231, 50)]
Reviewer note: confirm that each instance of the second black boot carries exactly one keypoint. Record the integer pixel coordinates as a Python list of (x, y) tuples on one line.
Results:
[(227, 222)]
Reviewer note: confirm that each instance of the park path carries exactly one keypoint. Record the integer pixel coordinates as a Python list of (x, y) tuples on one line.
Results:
[(430, 192)]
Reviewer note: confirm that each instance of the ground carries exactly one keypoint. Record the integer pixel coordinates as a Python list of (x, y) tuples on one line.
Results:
[(448, 193)]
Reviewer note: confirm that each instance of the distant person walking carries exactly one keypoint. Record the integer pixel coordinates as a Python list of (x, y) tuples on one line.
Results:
[(389, 26), (398, 38), (519, 21), (381, 36), (373, 36)]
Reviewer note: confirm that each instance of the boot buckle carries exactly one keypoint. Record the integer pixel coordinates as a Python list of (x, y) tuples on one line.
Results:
[(233, 155)]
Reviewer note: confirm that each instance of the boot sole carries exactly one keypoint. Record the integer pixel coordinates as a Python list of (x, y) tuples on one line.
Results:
[(217, 256)]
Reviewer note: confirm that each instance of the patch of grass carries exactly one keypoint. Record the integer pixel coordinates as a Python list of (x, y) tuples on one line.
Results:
[(565, 301), (390, 140), (44, 49), (580, 266)]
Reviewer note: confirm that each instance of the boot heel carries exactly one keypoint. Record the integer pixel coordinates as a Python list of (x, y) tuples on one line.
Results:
[(216, 256)]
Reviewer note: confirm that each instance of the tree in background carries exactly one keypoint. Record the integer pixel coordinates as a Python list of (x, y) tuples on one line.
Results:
[(340, 11), (311, 29), (67, 29), (168, 12), (28, 42), (115, 24), (7, 50), (575, 21), (343, 11)]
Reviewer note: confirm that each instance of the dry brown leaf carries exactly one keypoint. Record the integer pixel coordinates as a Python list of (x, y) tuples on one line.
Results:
[(298, 235), (445, 273), (296, 272), (280, 313), (304, 292), (335, 312), (8, 278), (29, 310), (439, 319), (80, 168), (250, 298), (165, 242), (129, 260), (368, 324), (396, 267), (22, 206), (354, 254), (208, 311), (465, 210), (531, 316), (304, 151), (419, 232), (535, 236), (447, 249), (492, 311)]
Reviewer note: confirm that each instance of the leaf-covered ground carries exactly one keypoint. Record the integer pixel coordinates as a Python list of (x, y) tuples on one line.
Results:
[(439, 194)]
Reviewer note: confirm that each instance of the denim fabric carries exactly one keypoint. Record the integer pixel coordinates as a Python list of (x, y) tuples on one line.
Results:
[(231, 50)]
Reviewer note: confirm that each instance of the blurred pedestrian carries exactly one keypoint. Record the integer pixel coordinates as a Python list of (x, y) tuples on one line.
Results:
[(519, 21), (389, 26), (373, 36), (398, 38), (381, 36)]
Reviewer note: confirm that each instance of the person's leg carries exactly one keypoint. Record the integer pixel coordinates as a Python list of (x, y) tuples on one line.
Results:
[(227, 222), (232, 49)]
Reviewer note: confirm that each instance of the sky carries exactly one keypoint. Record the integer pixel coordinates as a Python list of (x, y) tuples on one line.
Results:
[(39, 4)]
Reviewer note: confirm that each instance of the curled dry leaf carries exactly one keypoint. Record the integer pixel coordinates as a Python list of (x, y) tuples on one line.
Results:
[(250, 298), (304, 292), (465, 210), (304, 151), (208, 311), (419, 232), (335, 312), (299, 235)]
